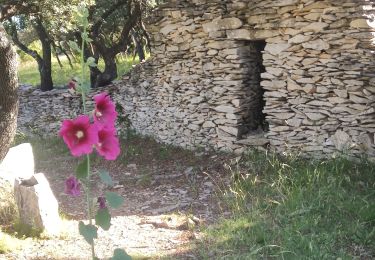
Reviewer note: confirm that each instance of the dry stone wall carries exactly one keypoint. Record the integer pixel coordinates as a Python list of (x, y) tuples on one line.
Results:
[(295, 74)]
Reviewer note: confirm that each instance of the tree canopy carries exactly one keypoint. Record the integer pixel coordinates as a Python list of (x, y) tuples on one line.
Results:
[(114, 26)]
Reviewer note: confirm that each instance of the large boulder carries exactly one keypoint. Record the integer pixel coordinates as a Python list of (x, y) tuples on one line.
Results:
[(28, 193), (18, 163), (37, 205)]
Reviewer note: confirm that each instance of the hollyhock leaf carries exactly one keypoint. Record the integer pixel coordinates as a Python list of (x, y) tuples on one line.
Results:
[(120, 254), (85, 35), (114, 200), (82, 170), (106, 178), (89, 232), (74, 46), (91, 62), (103, 219)]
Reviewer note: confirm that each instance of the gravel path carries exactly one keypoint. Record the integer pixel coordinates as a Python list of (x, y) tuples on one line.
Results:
[(165, 206), (129, 232)]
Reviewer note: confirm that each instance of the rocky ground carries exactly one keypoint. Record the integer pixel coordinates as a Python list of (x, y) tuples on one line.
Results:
[(170, 194)]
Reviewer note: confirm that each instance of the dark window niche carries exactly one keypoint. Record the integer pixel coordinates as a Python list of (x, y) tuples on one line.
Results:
[(254, 120)]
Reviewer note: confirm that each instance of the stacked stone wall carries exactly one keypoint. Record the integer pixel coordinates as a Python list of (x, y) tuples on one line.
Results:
[(295, 74)]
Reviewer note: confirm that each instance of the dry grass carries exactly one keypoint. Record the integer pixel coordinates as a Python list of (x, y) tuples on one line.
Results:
[(8, 208)]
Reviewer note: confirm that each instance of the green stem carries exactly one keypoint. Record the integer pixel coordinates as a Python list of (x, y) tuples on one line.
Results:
[(83, 70), (88, 184), (89, 202)]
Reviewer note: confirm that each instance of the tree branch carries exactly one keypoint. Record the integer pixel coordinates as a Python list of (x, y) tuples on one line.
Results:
[(65, 53), (13, 33), (96, 27), (56, 54), (125, 33)]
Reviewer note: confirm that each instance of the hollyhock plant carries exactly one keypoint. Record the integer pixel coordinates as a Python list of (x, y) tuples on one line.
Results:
[(79, 135), (108, 145), (104, 112), (72, 186)]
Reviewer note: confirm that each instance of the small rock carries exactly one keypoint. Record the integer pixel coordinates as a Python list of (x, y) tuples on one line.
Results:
[(132, 165), (341, 140)]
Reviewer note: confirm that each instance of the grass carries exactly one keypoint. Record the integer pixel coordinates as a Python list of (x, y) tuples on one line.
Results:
[(290, 208), (28, 72)]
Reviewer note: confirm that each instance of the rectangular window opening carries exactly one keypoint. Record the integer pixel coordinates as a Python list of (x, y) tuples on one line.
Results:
[(254, 120)]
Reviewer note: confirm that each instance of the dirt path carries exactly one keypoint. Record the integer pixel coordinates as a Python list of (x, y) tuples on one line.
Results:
[(169, 195)]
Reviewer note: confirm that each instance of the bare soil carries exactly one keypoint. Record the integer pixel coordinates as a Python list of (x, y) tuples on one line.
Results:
[(170, 195)]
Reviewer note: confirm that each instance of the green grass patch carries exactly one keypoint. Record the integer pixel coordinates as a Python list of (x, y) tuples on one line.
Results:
[(28, 71), (22, 230), (291, 208)]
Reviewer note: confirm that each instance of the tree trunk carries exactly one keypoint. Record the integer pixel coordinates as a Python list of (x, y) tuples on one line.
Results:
[(101, 79), (108, 53), (45, 72), (8, 96), (45, 65), (138, 45)]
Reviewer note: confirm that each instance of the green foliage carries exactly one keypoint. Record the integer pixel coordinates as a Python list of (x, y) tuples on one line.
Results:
[(106, 178), (120, 254), (74, 46), (28, 72), (36, 46), (114, 200), (22, 230), (91, 62), (82, 169), (89, 232), (291, 208), (103, 219), (165, 152)]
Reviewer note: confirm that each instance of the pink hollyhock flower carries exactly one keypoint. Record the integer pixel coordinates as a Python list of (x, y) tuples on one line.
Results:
[(101, 201), (79, 135), (72, 186), (105, 112), (108, 145)]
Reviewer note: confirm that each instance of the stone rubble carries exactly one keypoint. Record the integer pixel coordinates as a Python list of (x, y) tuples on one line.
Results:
[(222, 72)]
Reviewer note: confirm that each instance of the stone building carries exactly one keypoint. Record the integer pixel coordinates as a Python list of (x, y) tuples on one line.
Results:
[(298, 75)]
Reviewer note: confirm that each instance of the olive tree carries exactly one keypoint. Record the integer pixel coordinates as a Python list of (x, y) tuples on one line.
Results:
[(8, 96)]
